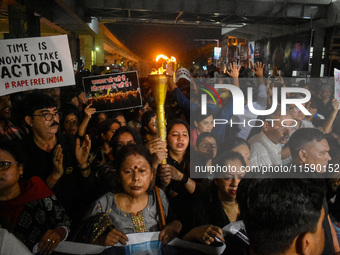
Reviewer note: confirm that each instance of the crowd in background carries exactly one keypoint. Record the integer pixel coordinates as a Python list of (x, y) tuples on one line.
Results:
[(68, 172)]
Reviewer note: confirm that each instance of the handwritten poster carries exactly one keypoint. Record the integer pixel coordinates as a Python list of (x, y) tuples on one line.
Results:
[(116, 91), (337, 84), (35, 63)]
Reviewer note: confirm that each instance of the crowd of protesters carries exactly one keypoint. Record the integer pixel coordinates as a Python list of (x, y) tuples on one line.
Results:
[(68, 172)]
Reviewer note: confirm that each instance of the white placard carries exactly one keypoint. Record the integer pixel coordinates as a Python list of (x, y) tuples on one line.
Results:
[(35, 63), (139, 243)]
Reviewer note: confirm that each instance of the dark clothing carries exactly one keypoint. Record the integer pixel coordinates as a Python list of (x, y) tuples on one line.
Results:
[(329, 248), (325, 109), (34, 212), (317, 122), (182, 202), (208, 209), (107, 177), (175, 164), (334, 205), (183, 167), (73, 190)]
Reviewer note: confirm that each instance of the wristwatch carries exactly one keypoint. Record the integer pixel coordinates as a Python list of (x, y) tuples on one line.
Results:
[(184, 179)]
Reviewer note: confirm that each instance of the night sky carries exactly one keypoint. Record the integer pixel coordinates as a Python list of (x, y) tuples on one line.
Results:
[(147, 41)]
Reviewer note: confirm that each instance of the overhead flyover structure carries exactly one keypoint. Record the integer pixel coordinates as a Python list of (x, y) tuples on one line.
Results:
[(229, 14), (90, 42), (247, 19)]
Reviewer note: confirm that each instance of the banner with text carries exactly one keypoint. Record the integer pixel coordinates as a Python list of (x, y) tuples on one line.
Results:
[(113, 91), (35, 63)]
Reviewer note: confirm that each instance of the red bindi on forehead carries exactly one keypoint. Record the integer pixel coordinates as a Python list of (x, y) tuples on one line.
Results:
[(135, 167)]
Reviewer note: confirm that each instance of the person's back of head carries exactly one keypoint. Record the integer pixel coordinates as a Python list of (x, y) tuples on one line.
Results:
[(283, 216), (300, 139)]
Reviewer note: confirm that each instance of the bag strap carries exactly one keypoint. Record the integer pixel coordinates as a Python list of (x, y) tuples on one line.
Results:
[(160, 210)]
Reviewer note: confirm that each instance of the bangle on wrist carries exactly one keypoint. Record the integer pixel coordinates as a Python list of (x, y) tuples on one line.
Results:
[(184, 180), (86, 168)]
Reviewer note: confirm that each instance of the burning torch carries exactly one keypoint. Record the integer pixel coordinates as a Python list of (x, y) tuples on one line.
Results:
[(159, 86)]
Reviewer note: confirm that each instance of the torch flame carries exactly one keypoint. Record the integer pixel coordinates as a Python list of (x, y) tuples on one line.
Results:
[(162, 70), (162, 56)]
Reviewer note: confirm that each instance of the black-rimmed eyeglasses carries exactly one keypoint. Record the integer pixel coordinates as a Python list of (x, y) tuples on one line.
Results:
[(49, 116)]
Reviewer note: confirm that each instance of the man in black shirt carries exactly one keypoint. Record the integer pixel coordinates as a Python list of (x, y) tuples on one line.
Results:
[(56, 158)]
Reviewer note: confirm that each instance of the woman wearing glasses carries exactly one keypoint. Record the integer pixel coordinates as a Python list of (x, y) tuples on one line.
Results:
[(206, 149), (31, 208)]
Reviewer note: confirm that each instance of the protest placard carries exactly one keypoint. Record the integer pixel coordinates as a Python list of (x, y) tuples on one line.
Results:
[(337, 84), (35, 63), (140, 243), (148, 243), (116, 91)]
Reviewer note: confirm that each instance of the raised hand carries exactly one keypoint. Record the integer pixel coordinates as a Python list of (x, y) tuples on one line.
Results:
[(89, 111), (57, 158), (335, 104), (234, 70), (258, 70), (169, 70), (83, 151)]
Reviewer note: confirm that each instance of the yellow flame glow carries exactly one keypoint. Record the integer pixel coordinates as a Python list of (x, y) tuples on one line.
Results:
[(162, 70), (161, 56)]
